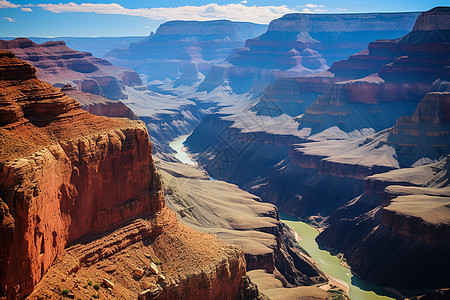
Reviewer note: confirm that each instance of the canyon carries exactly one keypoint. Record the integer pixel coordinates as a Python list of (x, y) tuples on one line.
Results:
[(303, 44), (65, 234), (59, 65), (313, 160), (49, 202), (360, 150)]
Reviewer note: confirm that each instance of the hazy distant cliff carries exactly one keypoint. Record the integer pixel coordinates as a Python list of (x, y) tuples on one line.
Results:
[(302, 44), (180, 45)]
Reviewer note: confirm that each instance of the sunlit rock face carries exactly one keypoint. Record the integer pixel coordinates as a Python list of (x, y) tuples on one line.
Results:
[(302, 44), (59, 172), (185, 49)]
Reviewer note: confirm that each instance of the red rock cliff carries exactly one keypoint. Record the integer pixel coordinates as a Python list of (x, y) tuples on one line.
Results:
[(65, 174)]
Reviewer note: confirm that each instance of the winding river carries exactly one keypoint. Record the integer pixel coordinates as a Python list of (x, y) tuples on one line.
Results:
[(358, 289), (182, 155), (331, 265)]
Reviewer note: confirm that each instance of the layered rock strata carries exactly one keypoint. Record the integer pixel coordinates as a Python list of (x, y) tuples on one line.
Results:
[(59, 168), (405, 70), (58, 65), (417, 139), (302, 44)]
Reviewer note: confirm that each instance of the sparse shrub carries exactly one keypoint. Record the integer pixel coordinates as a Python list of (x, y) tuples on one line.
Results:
[(337, 294), (95, 296), (65, 292), (90, 282), (96, 286), (156, 261)]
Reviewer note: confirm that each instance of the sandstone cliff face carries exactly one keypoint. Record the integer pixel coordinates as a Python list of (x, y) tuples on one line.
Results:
[(58, 65), (59, 169), (50, 190)]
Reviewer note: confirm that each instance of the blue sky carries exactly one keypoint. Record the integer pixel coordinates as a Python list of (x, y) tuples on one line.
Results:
[(139, 17)]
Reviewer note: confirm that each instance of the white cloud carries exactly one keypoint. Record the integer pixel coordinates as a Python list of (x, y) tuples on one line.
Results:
[(26, 9), (341, 9), (314, 5), (10, 19), (306, 10), (212, 11), (7, 4), (244, 2)]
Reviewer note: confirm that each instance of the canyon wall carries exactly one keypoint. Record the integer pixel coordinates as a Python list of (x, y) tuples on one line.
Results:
[(372, 88), (303, 44), (58, 184), (98, 105), (399, 225), (403, 71)]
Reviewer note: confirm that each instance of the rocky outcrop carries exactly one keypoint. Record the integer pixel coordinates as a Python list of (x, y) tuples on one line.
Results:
[(58, 65), (98, 105), (59, 168), (98, 46), (178, 45)]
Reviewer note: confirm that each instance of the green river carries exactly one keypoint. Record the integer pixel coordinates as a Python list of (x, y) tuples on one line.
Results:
[(358, 288)]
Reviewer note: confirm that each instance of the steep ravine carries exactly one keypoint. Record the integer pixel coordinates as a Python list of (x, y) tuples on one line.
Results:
[(358, 289)]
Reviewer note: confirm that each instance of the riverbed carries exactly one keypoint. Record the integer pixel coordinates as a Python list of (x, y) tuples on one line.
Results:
[(358, 289), (182, 155)]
